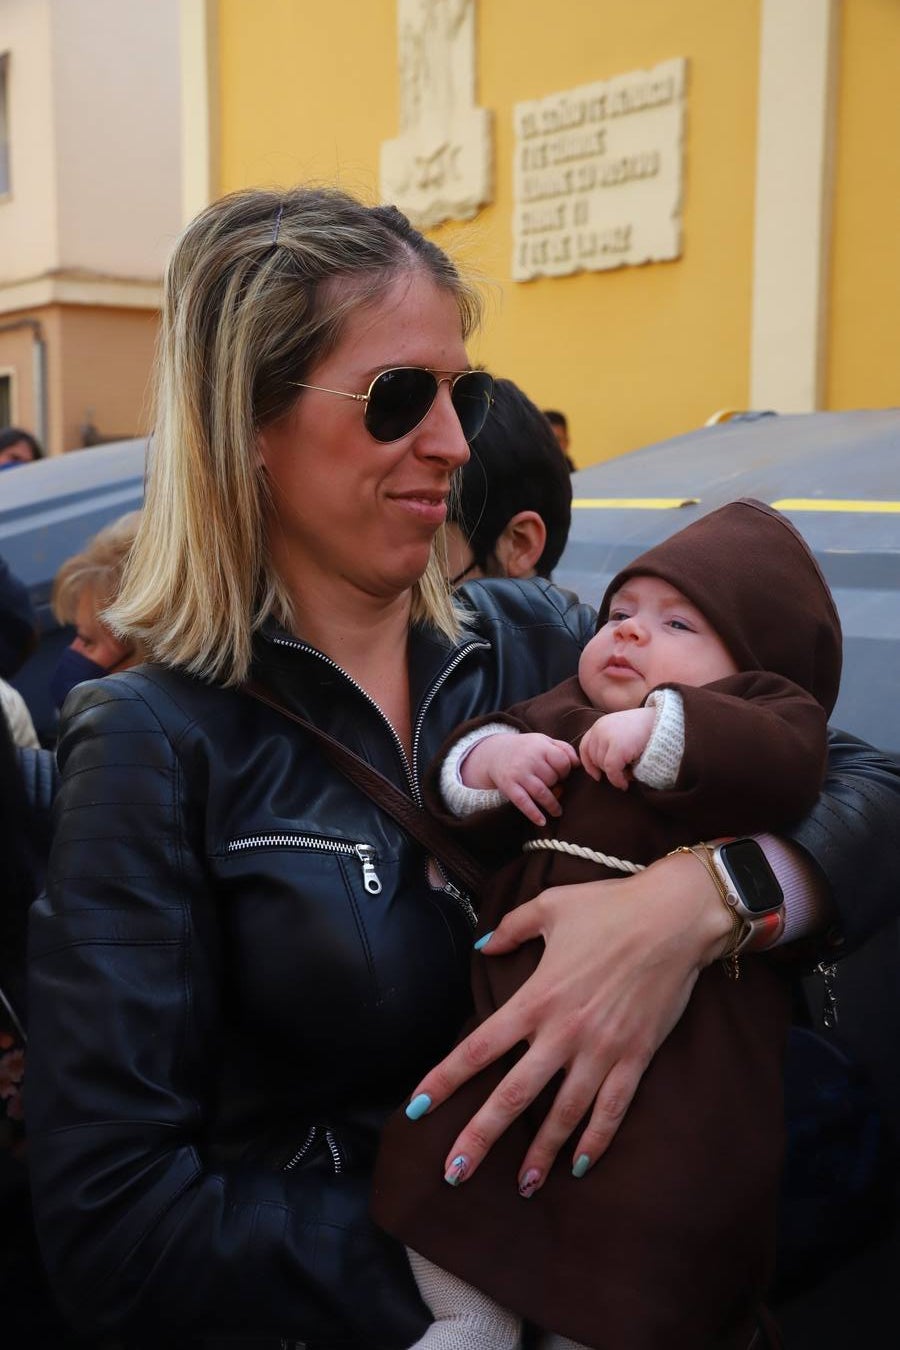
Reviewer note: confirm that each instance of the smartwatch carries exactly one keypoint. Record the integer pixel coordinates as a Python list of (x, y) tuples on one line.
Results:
[(752, 890)]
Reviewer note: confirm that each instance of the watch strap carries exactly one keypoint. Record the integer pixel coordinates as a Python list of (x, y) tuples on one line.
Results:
[(729, 957), (760, 930)]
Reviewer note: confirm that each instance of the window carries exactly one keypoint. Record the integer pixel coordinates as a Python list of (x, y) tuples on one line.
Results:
[(5, 400), (4, 124)]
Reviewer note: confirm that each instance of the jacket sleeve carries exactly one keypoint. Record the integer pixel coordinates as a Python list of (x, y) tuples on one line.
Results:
[(754, 756), (138, 1228), (852, 834)]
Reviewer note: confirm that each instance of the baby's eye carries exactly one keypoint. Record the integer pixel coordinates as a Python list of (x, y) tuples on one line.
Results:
[(681, 625), (617, 615)]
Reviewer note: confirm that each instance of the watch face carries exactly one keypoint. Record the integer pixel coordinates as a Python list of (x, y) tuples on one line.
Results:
[(753, 878)]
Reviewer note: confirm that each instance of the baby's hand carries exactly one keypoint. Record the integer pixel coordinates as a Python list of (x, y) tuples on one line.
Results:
[(524, 768), (616, 741)]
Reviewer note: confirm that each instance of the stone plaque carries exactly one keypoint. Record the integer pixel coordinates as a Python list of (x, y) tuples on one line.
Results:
[(598, 174), (440, 166)]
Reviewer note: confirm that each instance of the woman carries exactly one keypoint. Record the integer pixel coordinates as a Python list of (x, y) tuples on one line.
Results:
[(241, 964)]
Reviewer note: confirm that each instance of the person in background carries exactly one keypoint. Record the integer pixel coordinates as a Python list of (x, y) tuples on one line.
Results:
[(18, 637), (15, 710), (83, 587), (510, 512), (18, 622), (18, 447), (29, 1315), (560, 425)]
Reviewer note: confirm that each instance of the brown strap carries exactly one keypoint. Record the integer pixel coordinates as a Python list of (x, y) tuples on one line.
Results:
[(384, 794)]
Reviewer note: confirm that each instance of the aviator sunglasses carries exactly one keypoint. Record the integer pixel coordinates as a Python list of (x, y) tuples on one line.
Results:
[(399, 399)]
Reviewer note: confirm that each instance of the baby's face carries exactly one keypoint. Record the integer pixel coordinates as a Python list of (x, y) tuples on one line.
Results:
[(654, 635)]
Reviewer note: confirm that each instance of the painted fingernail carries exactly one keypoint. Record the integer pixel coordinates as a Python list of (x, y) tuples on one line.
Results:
[(457, 1170), (483, 941), (582, 1163), (418, 1106), (529, 1182)]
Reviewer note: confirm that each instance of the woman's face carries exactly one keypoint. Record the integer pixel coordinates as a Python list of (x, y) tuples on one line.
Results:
[(349, 511)]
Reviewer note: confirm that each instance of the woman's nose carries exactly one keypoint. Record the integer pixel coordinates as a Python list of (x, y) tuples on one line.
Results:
[(441, 435)]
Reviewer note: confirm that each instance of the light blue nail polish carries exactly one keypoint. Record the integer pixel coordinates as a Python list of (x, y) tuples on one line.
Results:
[(483, 941), (457, 1170), (418, 1106), (582, 1163)]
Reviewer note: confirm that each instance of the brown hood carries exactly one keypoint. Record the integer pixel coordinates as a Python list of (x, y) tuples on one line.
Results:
[(752, 575)]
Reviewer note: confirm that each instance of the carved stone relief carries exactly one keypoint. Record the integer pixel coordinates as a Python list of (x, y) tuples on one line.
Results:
[(598, 174), (440, 166)]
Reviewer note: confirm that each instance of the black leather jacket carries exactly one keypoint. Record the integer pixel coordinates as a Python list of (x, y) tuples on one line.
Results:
[(240, 966)]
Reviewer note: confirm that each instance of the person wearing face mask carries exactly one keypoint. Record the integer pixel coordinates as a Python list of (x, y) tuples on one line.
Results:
[(83, 587), (18, 447)]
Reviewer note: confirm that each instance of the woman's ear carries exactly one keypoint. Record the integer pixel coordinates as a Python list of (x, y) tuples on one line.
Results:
[(259, 450), (519, 548)]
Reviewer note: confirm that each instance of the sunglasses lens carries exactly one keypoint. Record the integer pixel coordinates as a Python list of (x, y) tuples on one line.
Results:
[(472, 394), (398, 401)]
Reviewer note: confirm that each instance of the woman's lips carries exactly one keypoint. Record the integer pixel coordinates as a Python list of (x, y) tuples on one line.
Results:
[(428, 507)]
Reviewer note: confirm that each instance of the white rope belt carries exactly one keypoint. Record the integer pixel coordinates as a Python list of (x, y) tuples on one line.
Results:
[(577, 851)]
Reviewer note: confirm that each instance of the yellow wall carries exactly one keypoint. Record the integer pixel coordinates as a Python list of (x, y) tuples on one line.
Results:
[(863, 362), (310, 91)]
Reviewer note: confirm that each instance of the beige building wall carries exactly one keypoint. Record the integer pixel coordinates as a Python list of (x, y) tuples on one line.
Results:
[(94, 207), (104, 372), (116, 85), (28, 216), (16, 356)]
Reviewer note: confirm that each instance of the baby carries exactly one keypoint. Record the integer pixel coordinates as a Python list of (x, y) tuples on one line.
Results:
[(715, 665)]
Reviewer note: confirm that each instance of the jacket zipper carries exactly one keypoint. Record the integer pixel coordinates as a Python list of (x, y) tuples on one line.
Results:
[(449, 888), (337, 1158), (364, 853), (409, 770), (302, 1150)]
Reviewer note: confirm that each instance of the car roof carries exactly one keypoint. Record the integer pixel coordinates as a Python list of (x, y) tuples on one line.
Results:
[(50, 508)]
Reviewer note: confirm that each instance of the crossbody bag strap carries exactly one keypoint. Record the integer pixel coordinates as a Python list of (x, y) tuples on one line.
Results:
[(385, 795)]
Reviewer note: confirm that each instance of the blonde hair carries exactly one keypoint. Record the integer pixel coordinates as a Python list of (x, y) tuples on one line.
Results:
[(250, 305), (100, 566)]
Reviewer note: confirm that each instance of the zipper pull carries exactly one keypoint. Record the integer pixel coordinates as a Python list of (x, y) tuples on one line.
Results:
[(828, 970), (371, 879), (462, 899)]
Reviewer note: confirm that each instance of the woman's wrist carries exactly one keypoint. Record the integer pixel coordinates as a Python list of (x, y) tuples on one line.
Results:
[(711, 923), (808, 911)]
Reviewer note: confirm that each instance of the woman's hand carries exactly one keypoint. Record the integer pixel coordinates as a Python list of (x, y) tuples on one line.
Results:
[(621, 960)]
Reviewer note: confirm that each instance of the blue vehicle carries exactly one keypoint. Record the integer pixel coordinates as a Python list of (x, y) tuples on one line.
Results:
[(48, 511)]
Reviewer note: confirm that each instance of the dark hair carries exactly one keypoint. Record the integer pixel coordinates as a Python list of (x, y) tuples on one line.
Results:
[(12, 435), (557, 418), (516, 465)]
